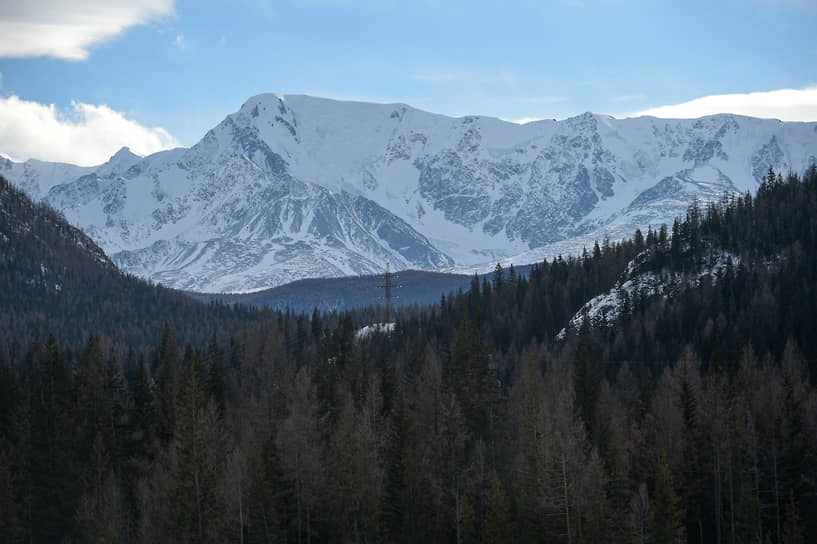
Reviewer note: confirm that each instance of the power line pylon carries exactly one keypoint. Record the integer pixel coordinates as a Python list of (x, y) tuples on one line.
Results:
[(388, 285)]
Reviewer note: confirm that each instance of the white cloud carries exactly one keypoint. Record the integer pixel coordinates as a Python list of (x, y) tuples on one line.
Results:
[(783, 104), (67, 28), (86, 135), (179, 42)]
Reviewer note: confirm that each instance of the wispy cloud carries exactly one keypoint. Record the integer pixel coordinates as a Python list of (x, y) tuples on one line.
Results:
[(87, 134), (179, 42), (66, 29), (783, 104)]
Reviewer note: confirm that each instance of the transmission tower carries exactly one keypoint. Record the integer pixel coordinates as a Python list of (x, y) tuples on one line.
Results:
[(388, 285)]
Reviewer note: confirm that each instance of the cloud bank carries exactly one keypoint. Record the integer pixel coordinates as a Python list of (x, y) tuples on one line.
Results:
[(783, 104), (66, 28), (85, 135)]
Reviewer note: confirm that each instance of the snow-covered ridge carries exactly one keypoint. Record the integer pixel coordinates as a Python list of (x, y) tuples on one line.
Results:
[(293, 186), (635, 282)]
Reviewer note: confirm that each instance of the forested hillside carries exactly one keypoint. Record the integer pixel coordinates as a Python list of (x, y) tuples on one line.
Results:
[(690, 417), (55, 279)]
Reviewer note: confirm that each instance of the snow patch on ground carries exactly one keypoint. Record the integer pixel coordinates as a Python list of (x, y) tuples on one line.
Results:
[(374, 328)]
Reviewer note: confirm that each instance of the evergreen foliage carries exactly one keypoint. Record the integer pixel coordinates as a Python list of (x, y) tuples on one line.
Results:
[(689, 418)]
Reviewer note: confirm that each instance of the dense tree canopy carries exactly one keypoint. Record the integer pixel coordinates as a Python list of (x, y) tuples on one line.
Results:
[(690, 418)]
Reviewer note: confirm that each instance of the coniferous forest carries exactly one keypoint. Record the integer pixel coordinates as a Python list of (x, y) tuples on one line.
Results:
[(131, 413)]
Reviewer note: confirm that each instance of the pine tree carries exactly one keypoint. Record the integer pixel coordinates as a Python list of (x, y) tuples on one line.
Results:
[(467, 532), (587, 377), (497, 513), (199, 508), (499, 277), (618, 493), (392, 510), (640, 516), (168, 381), (141, 416), (473, 382), (11, 529), (216, 384), (597, 523), (299, 443), (693, 475), (268, 501), (54, 475), (528, 515), (91, 384), (792, 532), (455, 437), (116, 412), (667, 518), (746, 509)]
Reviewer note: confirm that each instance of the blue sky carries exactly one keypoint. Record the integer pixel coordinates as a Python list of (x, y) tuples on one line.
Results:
[(183, 66)]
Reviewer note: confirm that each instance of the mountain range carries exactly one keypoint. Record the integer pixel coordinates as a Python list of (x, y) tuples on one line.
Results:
[(292, 187)]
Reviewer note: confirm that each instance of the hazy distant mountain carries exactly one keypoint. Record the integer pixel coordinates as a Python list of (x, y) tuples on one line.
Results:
[(338, 294), (294, 187)]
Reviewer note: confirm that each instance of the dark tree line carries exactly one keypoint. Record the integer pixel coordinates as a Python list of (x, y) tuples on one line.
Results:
[(691, 418), (56, 279)]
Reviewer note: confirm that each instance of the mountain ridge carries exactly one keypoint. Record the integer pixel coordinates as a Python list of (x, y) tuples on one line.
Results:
[(293, 186)]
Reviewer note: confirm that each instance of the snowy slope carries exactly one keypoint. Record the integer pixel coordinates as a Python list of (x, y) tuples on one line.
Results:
[(37, 177), (226, 215), (635, 281), (485, 189), (294, 186)]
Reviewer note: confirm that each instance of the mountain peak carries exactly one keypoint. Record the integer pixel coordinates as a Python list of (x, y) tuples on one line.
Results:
[(295, 186), (124, 154), (119, 162)]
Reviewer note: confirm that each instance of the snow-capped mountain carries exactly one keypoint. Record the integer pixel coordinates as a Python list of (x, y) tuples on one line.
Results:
[(293, 186)]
